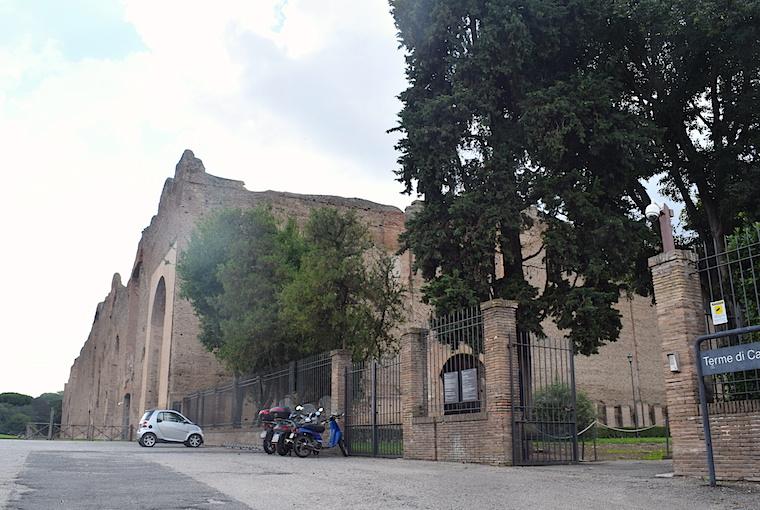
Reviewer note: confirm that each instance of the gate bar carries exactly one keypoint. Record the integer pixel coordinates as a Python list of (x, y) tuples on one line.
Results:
[(375, 445)]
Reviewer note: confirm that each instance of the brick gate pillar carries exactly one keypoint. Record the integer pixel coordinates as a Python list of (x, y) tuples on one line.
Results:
[(413, 376), (340, 361), (499, 331), (680, 318)]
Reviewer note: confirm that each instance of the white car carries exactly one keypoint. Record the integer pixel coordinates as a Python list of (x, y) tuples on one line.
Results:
[(167, 426)]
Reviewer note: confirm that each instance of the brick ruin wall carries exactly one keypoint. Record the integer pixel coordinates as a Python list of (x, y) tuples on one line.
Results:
[(143, 350)]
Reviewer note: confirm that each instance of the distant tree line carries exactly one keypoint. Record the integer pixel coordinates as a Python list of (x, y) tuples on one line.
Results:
[(16, 410), (267, 292)]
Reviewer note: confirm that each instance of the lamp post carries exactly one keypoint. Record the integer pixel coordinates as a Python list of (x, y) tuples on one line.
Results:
[(633, 394), (662, 214)]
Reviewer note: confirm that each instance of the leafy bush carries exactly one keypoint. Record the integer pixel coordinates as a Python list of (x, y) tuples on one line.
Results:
[(554, 404)]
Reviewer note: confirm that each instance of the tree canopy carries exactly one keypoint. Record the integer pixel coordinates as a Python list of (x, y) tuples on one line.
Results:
[(565, 108), (266, 293)]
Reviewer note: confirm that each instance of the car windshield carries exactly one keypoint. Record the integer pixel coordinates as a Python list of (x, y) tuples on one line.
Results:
[(146, 416)]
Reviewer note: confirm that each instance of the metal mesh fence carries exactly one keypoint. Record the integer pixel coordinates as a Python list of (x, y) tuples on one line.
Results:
[(454, 364), (237, 403), (729, 272)]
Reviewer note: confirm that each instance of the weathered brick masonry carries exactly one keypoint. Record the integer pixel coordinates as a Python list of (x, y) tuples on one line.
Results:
[(143, 349), (736, 425), (484, 437)]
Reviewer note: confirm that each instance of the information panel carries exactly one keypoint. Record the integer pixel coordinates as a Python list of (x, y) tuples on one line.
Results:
[(470, 385), (730, 359), (451, 387)]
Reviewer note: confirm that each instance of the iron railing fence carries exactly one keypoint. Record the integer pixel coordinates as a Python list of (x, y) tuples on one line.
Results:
[(373, 423), (238, 402), (78, 432), (544, 414), (454, 360), (729, 272)]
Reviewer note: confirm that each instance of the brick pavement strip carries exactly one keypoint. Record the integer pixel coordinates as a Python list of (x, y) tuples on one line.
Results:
[(123, 475)]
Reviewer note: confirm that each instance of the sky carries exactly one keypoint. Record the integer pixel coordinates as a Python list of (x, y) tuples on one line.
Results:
[(98, 99)]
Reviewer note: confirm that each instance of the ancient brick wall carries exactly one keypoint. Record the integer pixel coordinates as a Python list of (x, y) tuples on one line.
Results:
[(159, 359), (146, 367)]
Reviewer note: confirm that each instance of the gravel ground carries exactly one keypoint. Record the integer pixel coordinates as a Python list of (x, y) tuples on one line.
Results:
[(43, 475)]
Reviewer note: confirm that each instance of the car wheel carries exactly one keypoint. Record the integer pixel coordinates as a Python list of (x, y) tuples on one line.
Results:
[(148, 440), (194, 441)]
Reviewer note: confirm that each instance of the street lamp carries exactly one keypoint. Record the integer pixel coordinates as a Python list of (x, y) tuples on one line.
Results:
[(663, 213), (633, 393)]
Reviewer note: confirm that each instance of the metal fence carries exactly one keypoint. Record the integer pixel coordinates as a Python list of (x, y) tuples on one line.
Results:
[(78, 432), (544, 414), (373, 423), (729, 272), (237, 403), (454, 364)]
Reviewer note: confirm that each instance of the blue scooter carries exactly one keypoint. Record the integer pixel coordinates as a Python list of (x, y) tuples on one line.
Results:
[(307, 439)]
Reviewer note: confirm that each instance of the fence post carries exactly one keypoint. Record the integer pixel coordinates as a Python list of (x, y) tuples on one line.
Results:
[(375, 445), (680, 319), (502, 370), (412, 391), (340, 361), (237, 402), (292, 374), (50, 424)]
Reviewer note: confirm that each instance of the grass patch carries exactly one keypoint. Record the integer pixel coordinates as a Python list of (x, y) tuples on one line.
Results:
[(8, 436), (628, 440)]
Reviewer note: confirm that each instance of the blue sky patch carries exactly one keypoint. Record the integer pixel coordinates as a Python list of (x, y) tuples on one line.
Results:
[(82, 28)]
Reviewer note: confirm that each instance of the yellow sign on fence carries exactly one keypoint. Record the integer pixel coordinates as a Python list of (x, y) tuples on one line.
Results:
[(718, 309)]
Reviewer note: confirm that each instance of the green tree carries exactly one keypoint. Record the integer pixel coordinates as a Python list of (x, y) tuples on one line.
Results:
[(690, 69), (232, 272), (15, 399), (513, 107), (345, 294), (266, 294)]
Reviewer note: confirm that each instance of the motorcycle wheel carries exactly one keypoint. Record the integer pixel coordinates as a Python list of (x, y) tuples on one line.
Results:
[(302, 446), (342, 446), (283, 448), (269, 448)]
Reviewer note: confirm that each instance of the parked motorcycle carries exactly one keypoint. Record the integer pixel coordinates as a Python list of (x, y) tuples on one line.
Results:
[(274, 424), (307, 439)]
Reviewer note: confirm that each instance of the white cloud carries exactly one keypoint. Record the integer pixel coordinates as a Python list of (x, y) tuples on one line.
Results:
[(299, 104)]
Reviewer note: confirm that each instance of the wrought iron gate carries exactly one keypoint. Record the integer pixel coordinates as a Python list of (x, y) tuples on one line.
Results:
[(373, 408), (544, 420)]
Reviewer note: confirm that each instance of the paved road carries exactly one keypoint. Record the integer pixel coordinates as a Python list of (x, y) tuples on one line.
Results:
[(80, 475)]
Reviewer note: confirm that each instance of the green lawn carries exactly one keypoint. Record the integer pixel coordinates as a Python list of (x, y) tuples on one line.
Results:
[(8, 436), (628, 440)]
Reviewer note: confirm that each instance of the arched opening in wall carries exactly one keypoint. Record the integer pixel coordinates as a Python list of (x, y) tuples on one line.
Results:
[(463, 385), (117, 344), (125, 428), (154, 344)]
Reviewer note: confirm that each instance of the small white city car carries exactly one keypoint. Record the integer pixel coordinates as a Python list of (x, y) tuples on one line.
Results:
[(167, 426)]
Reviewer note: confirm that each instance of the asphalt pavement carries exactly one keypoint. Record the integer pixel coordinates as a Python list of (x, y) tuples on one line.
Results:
[(102, 475)]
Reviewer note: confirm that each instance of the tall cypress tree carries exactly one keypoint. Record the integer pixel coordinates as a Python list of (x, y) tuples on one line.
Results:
[(514, 106)]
